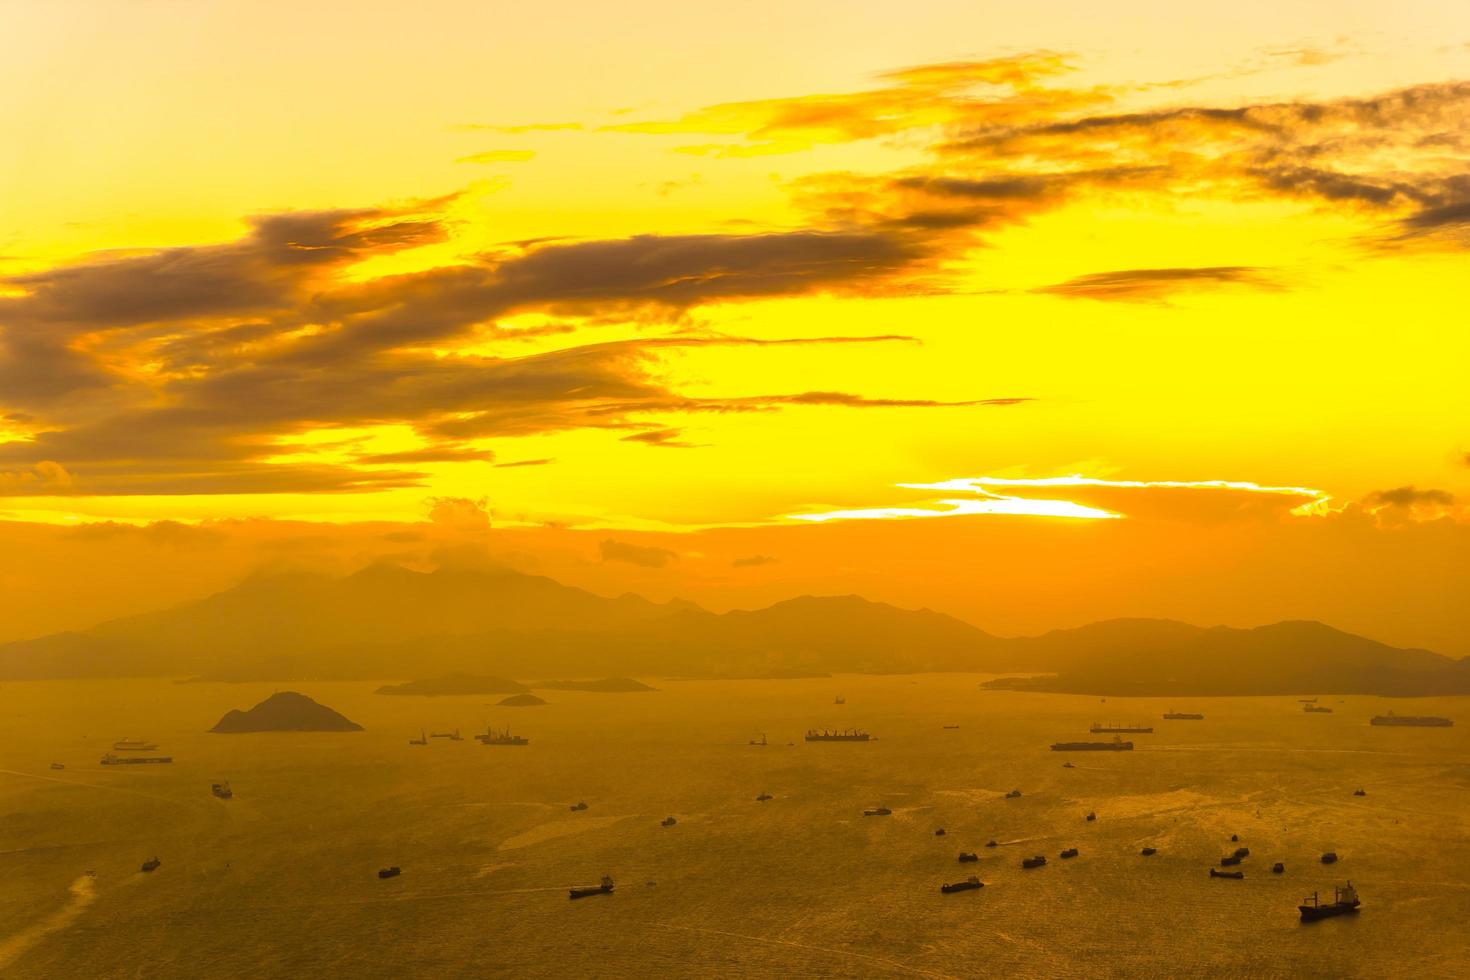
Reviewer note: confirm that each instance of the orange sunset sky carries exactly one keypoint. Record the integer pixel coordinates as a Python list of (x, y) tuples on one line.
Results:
[(1031, 313)]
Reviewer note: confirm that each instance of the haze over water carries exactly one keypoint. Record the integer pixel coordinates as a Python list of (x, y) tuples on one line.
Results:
[(281, 880)]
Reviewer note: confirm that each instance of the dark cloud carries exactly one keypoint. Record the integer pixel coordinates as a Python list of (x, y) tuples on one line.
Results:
[(524, 462), (635, 554), (1411, 496), (431, 454), (664, 438), (1151, 284)]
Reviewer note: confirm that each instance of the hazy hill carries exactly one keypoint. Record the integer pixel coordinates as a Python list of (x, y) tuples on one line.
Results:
[(1163, 657), (392, 622), (285, 711)]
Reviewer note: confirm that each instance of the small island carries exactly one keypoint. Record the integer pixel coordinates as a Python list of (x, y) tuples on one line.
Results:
[(285, 711), (451, 684), (607, 685), (521, 701)]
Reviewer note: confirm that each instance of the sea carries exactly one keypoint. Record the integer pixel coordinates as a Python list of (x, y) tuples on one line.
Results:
[(281, 880)]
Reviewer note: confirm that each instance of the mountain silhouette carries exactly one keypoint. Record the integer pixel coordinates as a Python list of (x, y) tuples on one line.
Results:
[(390, 622), (284, 711)]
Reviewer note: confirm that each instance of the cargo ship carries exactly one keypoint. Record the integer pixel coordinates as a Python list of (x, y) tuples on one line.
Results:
[(842, 735), (1182, 716), (135, 760), (1411, 721), (134, 745), (502, 737), (1139, 729), (1116, 745), (582, 891), (1344, 900), (969, 884)]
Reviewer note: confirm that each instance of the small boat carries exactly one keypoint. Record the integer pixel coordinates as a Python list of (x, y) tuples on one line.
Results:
[(991, 843), (1149, 851), (1013, 794), (763, 797), (392, 872), (577, 807), (839, 700), (1330, 857), (1226, 874), (1069, 765), (1070, 852), (939, 832), (151, 864), (1360, 792), (423, 739), (1234, 838), (877, 811), (582, 891), (57, 765), (969, 884), (968, 856), (1241, 852), (1278, 868), (1091, 816), (222, 790), (1033, 862), (761, 742), (1230, 859), (1344, 900), (667, 822)]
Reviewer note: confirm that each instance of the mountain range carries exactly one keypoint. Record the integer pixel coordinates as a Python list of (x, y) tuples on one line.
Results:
[(391, 622)]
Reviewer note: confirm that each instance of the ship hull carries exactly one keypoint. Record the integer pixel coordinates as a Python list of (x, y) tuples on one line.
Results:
[(1412, 722), (1092, 747), (1311, 913)]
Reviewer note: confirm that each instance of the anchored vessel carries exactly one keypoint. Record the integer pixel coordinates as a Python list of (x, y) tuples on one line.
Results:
[(1070, 852), (453, 736), (222, 790), (150, 864), (1140, 729), (58, 765), (837, 735), (877, 811), (1315, 709), (761, 742), (1411, 721), (1116, 745), (134, 745), (967, 856), (582, 891), (579, 806), (968, 884), (502, 737), (1182, 716), (392, 872), (1344, 900), (135, 760), (1033, 862), (421, 740), (1226, 874)]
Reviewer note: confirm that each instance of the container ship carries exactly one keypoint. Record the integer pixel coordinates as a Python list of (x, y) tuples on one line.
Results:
[(1116, 745), (843, 735), (135, 760), (1411, 721), (502, 737), (1182, 716), (1139, 729)]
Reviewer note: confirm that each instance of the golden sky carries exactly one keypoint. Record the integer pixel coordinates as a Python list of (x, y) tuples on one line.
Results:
[(668, 269)]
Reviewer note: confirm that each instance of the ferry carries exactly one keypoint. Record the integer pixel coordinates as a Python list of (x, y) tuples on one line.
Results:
[(582, 891), (1344, 900)]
